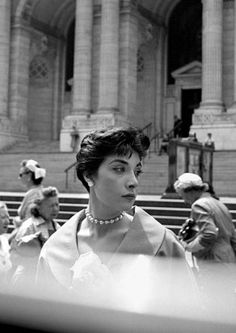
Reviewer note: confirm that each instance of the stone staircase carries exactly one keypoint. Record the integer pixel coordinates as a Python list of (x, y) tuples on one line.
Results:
[(154, 181), (169, 212)]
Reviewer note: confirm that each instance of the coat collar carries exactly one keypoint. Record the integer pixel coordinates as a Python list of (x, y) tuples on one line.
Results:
[(145, 236)]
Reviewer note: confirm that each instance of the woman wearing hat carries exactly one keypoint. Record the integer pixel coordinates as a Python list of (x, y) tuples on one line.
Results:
[(216, 236), (31, 176)]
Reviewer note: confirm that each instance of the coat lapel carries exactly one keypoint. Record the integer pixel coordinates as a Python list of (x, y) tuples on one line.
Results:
[(145, 236)]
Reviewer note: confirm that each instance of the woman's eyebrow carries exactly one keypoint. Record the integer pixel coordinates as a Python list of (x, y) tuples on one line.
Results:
[(118, 161), (139, 165)]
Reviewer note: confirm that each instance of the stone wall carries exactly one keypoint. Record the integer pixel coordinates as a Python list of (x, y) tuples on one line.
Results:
[(228, 53)]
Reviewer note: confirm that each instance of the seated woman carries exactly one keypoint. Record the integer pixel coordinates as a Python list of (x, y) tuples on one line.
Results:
[(88, 246), (32, 176), (33, 233)]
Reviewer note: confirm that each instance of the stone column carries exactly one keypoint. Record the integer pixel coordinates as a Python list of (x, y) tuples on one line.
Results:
[(5, 20), (19, 74), (128, 59), (82, 57), (210, 116), (233, 106), (109, 57), (82, 79), (212, 55)]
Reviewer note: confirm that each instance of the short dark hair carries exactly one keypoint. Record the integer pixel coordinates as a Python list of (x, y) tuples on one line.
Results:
[(96, 146)]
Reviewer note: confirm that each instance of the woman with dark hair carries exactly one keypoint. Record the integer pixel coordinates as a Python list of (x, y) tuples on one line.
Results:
[(86, 248), (33, 233)]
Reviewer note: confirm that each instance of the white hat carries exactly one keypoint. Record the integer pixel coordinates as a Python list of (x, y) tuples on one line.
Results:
[(38, 172), (188, 180)]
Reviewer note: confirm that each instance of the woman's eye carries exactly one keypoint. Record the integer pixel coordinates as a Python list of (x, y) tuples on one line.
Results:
[(119, 169)]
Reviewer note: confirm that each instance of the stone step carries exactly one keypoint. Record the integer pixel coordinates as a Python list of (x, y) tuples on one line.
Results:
[(153, 181), (170, 212), (35, 146)]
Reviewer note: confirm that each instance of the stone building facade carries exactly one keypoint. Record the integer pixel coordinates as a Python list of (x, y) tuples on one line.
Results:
[(121, 68)]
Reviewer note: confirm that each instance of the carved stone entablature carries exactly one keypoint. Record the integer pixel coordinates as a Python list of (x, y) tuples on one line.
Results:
[(89, 122), (213, 118), (204, 118)]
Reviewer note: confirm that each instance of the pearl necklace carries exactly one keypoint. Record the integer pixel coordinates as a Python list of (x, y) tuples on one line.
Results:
[(94, 220)]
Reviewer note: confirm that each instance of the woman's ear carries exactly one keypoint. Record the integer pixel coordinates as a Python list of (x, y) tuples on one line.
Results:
[(89, 180)]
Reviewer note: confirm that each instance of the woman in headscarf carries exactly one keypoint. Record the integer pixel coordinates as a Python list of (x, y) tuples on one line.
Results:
[(31, 176)]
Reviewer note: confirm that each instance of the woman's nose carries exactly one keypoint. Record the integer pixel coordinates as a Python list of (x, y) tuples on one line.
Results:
[(133, 180)]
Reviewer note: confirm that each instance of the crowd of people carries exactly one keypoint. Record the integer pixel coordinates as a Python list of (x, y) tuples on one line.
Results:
[(87, 251)]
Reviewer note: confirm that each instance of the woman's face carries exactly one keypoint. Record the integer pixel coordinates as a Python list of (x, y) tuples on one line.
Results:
[(49, 208), (4, 221), (25, 176), (115, 184)]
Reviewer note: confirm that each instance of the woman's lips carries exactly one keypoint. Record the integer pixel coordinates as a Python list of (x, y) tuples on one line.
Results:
[(129, 196)]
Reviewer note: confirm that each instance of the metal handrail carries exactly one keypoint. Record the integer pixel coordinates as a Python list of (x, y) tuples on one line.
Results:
[(67, 170), (146, 126), (156, 139), (148, 129)]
